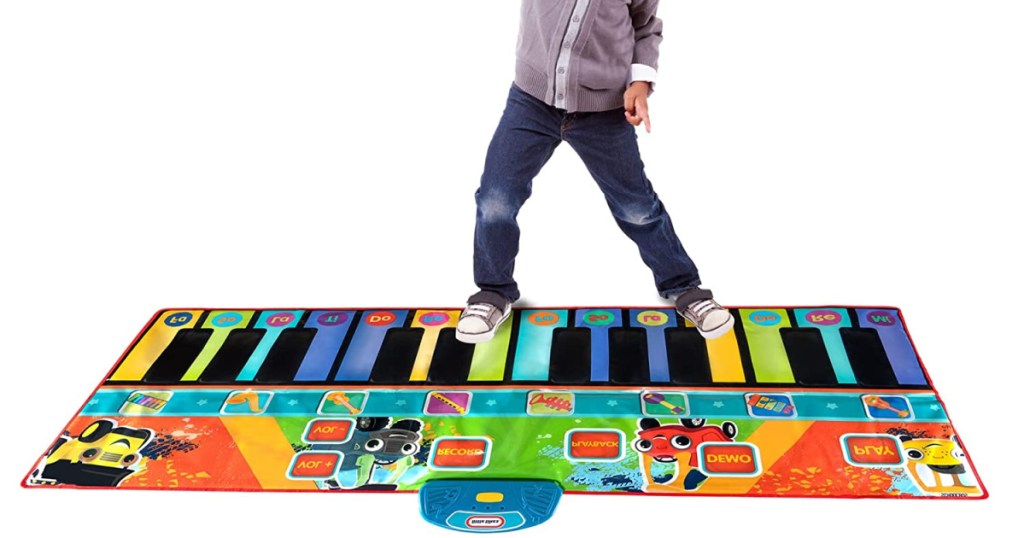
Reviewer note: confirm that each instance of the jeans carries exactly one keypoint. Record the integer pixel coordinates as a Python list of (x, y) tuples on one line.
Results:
[(526, 137)]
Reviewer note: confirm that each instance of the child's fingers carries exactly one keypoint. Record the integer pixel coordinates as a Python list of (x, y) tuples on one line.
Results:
[(633, 119), (642, 114)]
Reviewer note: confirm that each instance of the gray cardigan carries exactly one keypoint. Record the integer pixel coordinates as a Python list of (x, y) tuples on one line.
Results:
[(611, 36)]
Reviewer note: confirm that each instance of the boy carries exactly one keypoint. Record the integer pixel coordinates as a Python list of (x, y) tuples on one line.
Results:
[(584, 70)]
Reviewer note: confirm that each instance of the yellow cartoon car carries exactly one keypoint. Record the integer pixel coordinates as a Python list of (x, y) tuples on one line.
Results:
[(102, 455)]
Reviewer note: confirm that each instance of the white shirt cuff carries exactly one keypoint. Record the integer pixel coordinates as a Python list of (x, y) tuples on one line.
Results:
[(644, 73)]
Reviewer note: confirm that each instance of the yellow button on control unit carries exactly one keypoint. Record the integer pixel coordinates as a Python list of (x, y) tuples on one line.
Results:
[(489, 497)]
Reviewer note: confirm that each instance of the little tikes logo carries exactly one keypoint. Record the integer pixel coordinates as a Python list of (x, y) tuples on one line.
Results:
[(765, 318), (485, 522), (823, 317)]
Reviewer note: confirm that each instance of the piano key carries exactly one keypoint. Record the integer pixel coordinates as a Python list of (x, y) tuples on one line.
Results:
[(688, 357), (332, 326), (221, 322), (808, 357), (432, 322), (655, 323), (274, 322), (904, 360), (452, 360), (533, 347), (768, 354), (397, 355), (178, 355), (868, 358), (571, 356), (362, 351), (628, 362), (285, 356), (598, 321), (829, 321), (153, 342)]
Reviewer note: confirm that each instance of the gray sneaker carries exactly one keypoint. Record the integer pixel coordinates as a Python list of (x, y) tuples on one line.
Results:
[(485, 312), (710, 319)]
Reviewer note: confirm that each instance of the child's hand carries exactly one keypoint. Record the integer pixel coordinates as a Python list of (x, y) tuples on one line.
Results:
[(635, 101)]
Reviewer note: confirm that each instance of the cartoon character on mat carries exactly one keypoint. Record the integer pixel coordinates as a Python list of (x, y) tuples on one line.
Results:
[(376, 448), (103, 454), (677, 445), (938, 466)]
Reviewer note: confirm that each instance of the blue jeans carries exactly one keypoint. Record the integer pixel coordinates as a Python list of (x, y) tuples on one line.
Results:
[(527, 135)]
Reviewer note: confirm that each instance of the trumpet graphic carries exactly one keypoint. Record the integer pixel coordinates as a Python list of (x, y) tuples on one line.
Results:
[(878, 403)]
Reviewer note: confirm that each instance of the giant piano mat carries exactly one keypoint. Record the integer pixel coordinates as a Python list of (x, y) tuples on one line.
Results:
[(794, 402)]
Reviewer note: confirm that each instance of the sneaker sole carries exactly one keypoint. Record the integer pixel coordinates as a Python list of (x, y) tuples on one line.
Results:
[(719, 331), (479, 338)]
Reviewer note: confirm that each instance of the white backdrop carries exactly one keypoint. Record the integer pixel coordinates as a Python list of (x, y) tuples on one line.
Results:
[(270, 154)]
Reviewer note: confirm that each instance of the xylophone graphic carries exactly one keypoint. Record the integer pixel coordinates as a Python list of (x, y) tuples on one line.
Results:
[(822, 401)]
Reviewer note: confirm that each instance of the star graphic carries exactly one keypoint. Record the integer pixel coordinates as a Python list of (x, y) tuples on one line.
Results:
[(202, 402), (400, 403), (832, 406), (934, 407), (612, 403), (293, 402), (718, 404), (491, 403)]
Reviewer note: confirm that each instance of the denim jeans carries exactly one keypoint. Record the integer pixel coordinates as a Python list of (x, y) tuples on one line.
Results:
[(526, 137)]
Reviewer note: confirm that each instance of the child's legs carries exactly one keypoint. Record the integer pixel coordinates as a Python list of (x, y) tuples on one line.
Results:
[(607, 143), (527, 135)]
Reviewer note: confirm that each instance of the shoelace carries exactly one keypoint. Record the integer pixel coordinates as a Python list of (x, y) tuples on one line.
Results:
[(482, 310), (701, 308)]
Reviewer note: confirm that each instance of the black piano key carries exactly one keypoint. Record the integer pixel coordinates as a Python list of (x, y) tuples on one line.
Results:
[(808, 357), (232, 356), (868, 358), (688, 362), (396, 356), (628, 363), (570, 356), (451, 361), (178, 356), (285, 356)]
